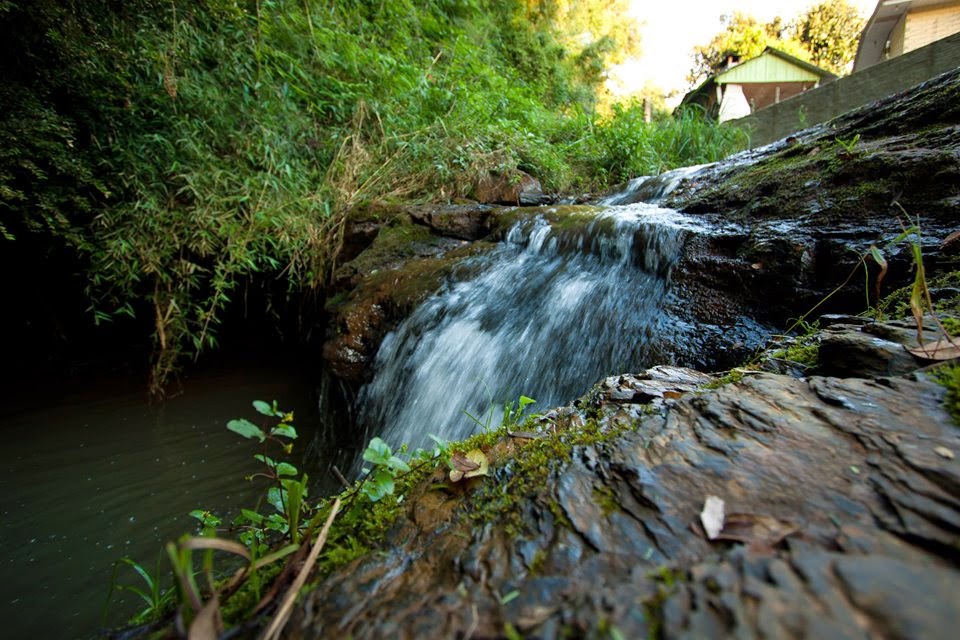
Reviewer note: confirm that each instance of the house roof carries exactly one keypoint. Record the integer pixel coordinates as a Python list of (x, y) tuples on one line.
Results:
[(873, 40), (876, 34), (773, 65)]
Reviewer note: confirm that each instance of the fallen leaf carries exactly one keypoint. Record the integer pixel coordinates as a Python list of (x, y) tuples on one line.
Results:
[(751, 528), (951, 243), (462, 462), (471, 464), (943, 452), (712, 516), (940, 350), (670, 395), (881, 261), (757, 265)]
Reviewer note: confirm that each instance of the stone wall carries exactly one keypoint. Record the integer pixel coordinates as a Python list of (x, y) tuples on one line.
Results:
[(837, 97)]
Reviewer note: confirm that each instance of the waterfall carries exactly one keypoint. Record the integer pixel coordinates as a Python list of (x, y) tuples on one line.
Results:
[(653, 189), (553, 309)]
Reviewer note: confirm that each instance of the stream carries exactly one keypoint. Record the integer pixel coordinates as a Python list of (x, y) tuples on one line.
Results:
[(573, 294), (96, 474)]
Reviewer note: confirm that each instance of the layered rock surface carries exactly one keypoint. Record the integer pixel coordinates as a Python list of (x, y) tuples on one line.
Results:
[(842, 491), (843, 520)]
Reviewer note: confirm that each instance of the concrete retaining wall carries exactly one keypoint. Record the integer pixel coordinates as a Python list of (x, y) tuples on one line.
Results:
[(837, 97)]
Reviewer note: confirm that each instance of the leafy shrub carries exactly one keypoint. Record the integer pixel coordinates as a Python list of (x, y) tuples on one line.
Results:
[(185, 149)]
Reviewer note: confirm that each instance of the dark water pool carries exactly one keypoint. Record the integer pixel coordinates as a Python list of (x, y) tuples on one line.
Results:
[(94, 474)]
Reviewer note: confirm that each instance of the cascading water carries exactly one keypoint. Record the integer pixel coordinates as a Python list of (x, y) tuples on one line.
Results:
[(652, 189), (549, 312)]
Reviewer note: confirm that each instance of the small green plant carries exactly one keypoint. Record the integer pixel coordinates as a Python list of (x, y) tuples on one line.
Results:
[(288, 493), (847, 145), (155, 598), (513, 414), (379, 481)]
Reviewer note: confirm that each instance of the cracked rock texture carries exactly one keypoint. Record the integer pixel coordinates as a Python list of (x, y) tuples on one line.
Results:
[(848, 512)]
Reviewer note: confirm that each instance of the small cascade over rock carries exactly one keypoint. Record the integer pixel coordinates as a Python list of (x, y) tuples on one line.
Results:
[(568, 298), (652, 189)]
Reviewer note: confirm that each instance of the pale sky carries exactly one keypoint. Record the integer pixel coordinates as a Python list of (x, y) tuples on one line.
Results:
[(673, 27)]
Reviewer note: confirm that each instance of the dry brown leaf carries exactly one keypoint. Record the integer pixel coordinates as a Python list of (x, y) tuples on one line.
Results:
[(951, 244), (217, 544), (207, 625), (942, 349), (471, 464), (752, 528), (462, 463), (671, 395)]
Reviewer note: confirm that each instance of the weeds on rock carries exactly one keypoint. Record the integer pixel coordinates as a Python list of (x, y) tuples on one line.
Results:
[(803, 349)]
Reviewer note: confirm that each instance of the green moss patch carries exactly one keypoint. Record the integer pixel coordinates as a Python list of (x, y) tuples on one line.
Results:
[(949, 377)]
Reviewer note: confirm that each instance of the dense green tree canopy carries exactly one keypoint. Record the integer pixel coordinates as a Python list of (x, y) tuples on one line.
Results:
[(830, 31), (180, 150)]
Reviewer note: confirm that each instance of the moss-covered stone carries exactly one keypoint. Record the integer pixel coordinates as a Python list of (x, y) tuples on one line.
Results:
[(382, 285)]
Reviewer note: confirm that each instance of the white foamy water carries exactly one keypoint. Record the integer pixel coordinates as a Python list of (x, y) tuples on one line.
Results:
[(548, 313)]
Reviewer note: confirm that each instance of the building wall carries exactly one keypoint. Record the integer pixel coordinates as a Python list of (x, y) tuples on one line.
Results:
[(926, 26), (763, 94), (734, 104), (837, 97), (897, 38)]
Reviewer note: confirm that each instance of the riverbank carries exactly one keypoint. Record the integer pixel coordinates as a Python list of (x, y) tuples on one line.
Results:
[(836, 463)]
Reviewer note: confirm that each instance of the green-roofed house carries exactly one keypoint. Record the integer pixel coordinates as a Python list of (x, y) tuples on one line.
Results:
[(744, 87)]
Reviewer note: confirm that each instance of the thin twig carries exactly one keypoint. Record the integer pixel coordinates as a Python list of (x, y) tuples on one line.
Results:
[(339, 476)]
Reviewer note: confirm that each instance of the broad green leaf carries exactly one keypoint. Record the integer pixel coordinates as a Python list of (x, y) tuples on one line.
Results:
[(246, 429), (277, 522), (263, 408), (373, 491), (252, 516), (396, 463), (380, 485), (378, 452), (524, 401), (277, 498), (284, 430), (206, 518), (286, 469)]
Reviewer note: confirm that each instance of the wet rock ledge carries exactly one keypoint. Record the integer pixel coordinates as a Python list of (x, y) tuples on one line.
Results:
[(842, 501)]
